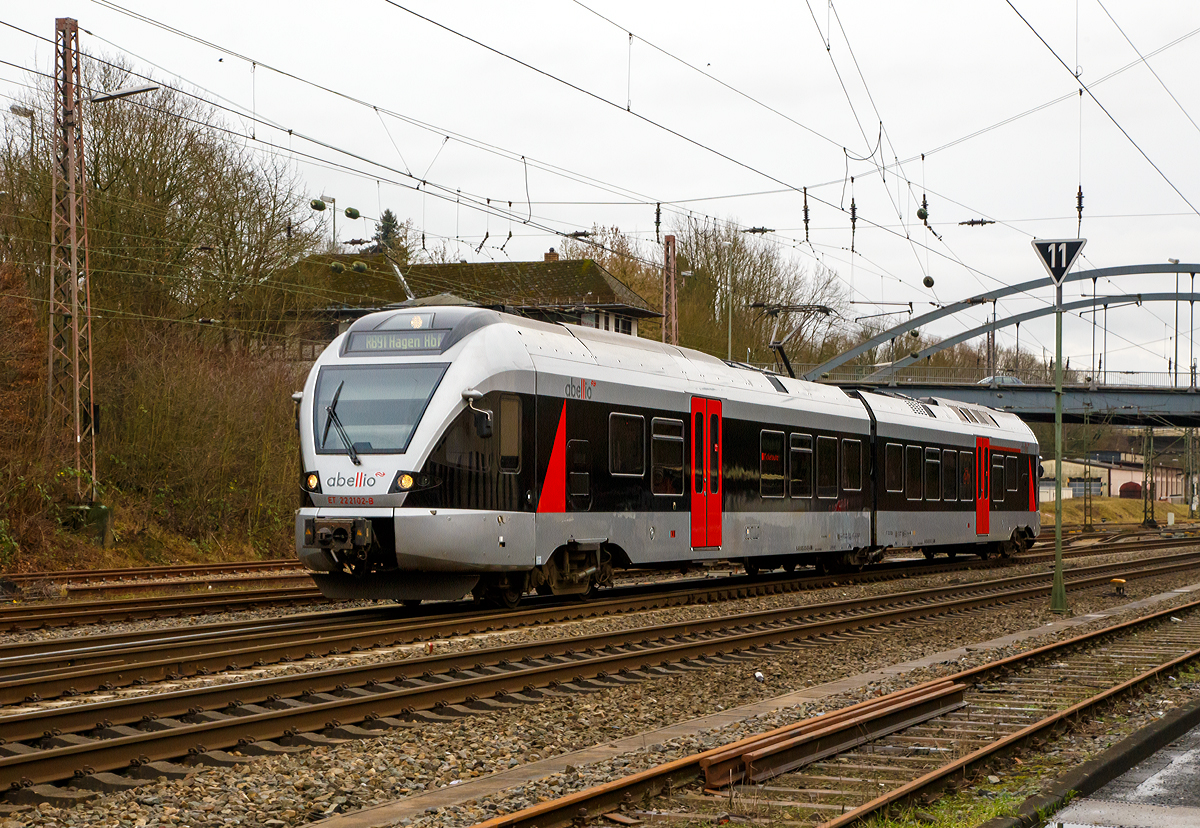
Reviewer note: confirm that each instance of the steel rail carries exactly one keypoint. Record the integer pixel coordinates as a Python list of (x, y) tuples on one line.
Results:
[(18, 617), (652, 781), (73, 672), (464, 679), (136, 573)]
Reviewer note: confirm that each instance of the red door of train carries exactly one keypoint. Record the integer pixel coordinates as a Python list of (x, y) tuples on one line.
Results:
[(983, 485), (706, 472)]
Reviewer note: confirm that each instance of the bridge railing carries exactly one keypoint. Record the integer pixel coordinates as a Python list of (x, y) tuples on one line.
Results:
[(953, 375)]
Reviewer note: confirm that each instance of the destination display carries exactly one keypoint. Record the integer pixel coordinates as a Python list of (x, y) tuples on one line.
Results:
[(372, 341)]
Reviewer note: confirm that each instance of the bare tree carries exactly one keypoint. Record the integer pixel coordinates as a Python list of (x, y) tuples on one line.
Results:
[(731, 272)]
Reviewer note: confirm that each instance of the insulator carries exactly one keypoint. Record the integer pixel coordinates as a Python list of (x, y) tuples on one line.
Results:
[(927, 281)]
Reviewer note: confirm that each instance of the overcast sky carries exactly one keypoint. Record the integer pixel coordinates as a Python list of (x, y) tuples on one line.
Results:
[(727, 112)]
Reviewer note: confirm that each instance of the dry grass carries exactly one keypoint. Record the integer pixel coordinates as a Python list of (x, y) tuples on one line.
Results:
[(1113, 510), (196, 453)]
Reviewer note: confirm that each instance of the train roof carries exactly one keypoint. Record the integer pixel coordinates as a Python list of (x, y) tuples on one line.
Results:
[(555, 342)]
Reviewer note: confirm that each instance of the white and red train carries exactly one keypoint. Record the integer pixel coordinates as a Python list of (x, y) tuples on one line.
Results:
[(449, 450)]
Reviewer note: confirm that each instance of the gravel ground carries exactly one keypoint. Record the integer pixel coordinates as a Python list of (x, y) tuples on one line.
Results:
[(293, 789), (541, 632)]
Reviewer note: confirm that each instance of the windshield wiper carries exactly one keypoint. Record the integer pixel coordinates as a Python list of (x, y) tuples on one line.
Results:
[(332, 419)]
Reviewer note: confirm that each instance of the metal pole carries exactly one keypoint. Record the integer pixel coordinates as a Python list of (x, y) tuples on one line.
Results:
[(729, 288), (1104, 356), (1175, 379), (1058, 594)]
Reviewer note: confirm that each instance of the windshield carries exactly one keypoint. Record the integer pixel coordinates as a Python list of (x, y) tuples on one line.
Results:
[(379, 406)]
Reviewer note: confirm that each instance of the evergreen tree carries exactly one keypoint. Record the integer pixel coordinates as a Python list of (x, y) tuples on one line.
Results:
[(389, 234)]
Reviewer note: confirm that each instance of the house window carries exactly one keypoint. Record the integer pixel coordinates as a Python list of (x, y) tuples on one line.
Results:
[(624, 325), (588, 320), (771, 463), (666, 456), (802, 459)]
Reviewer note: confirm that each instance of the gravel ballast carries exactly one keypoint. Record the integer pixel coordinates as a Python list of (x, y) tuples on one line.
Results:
[(298, 788)]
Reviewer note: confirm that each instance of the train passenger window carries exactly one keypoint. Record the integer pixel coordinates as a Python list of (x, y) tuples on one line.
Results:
[(1010, 473), (966, 472), (893, 465), (852, 465), (827, 457), (933, 474), (626, 445), (913, 467), (801, 461), (997, 477), (949, 474), (714, 467), (770, 477), (579, 483), (698, 453), (666, 456), (510, 433)]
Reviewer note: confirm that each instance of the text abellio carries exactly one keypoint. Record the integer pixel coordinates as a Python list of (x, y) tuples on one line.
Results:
[(358, 481)]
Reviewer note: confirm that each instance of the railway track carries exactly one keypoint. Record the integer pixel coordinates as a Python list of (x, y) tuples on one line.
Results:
[(840, 768), (274, 714), (18, 616), (141, 573), (49, 668)]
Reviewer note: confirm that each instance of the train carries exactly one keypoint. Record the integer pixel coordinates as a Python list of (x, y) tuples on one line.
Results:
[(448, 451)]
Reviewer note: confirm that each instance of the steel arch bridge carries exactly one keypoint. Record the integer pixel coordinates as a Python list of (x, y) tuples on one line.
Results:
[(823, 370)]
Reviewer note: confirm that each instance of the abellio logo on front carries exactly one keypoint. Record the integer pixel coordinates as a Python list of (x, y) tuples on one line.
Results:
[(360, 480)]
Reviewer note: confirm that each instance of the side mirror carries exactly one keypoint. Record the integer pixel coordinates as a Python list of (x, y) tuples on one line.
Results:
[(483, 423), (483, 417)]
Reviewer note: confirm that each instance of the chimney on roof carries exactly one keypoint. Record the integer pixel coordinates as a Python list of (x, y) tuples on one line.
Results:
[(550, 255)]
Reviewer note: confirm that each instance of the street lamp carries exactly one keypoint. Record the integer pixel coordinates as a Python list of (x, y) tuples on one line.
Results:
[(26, 112), (729, 297), (123, 92)]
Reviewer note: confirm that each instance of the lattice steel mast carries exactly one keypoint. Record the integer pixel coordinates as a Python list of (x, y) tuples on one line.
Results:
[(70, 410)]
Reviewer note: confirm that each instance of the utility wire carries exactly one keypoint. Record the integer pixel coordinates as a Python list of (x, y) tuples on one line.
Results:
[(1096, 100)]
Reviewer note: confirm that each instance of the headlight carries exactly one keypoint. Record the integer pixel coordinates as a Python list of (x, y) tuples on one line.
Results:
[(410, 481), (311, 482)]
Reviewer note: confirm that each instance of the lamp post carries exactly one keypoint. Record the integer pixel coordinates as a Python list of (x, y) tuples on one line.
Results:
[(727, 245), (26, 112)]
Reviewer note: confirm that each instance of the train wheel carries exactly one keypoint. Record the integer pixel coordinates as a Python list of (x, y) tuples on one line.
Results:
[(588, 593), (789, 566), (928, 553), (951, 553), (751, 566), (504, 597), (411, 603)]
